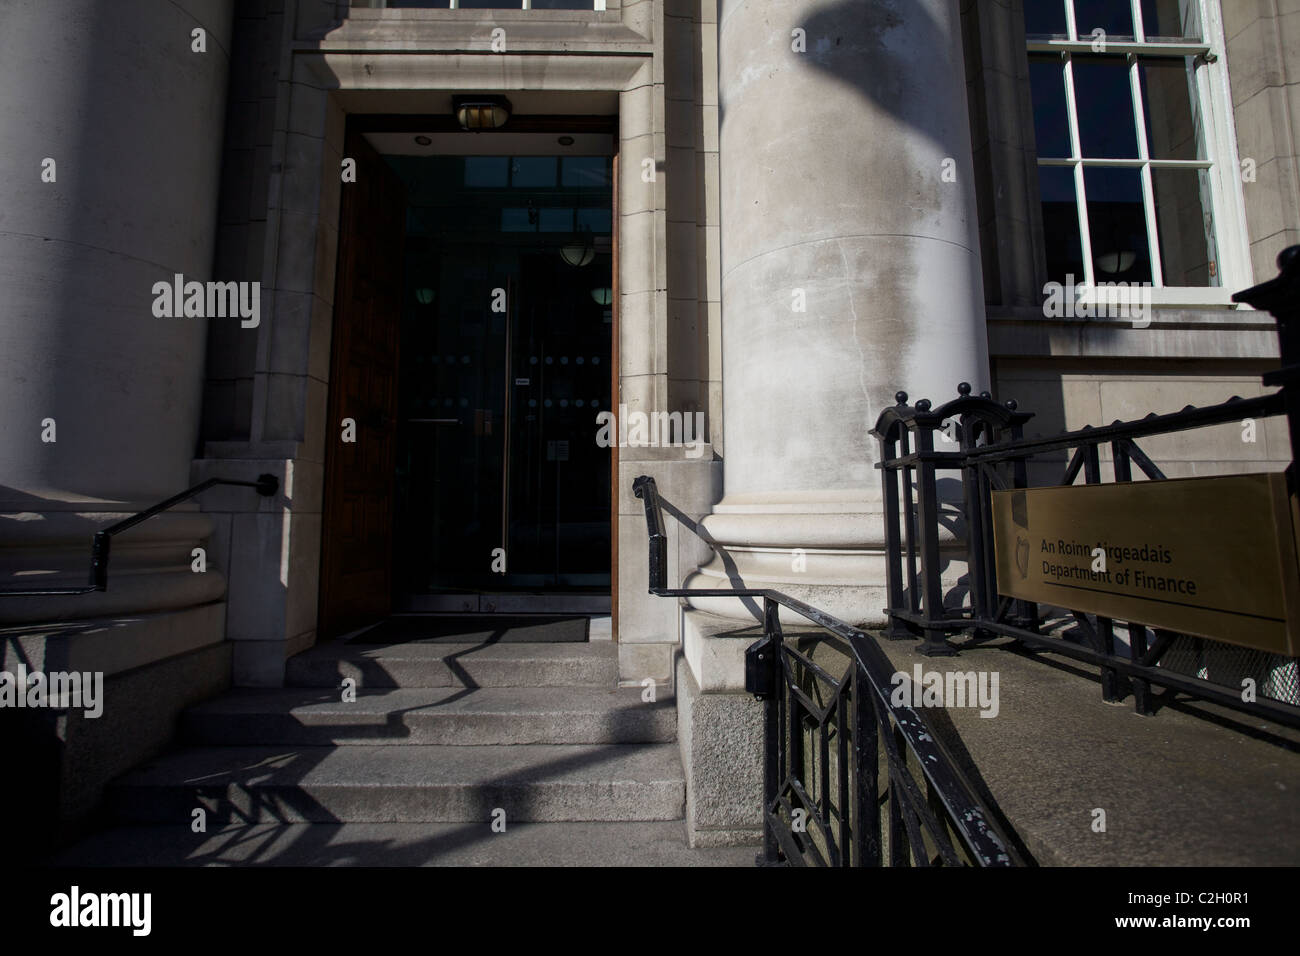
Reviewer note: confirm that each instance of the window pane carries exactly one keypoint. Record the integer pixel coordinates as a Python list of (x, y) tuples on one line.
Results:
[(1117, 222), (1113, 16), (1171, 18), (557, 220), (1104, 99), (584, 171), (517, 220), (1060, 223), (532, 172), (1172, 130), (1047, 89), (1045, 18), (487, 171), (1185, 228), (599, 221)]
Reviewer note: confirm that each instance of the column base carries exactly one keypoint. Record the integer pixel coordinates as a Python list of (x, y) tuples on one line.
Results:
[(824, 548), (721, 741)]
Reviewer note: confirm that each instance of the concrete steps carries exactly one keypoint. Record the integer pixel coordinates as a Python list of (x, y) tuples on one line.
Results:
[(447, 716), (366, 783), (593, 664), (403, 844), (439, 737)]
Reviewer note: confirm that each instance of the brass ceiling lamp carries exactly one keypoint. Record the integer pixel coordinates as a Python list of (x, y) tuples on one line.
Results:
[(478, 113)]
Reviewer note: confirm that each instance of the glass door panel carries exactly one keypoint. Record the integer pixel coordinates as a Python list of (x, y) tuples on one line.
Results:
[(504, 366)]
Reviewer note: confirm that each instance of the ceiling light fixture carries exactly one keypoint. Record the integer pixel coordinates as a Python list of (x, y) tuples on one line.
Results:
[(481, 112), (577, 254)]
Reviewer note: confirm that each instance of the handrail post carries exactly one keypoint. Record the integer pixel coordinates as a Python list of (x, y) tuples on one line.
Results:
[(100, 546), (933, 643), (973, 501), (866, 850), (644, 488), (895, 629), (773, 739)]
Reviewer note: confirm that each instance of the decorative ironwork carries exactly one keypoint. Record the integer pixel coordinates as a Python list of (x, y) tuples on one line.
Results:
[(990, 452), (850, 777), (102, 541)]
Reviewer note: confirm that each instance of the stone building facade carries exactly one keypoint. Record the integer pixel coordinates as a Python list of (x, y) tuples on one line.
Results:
[(808, 205)]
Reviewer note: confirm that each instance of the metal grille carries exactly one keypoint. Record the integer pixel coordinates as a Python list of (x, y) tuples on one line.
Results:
[(1276, 677)]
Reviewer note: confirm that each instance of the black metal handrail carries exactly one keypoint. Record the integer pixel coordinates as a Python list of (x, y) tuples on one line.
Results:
[(991, 454), (101, 542), (842, 823)]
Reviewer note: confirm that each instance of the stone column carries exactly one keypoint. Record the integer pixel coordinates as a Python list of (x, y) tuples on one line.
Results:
[(851, 269), (112, 127), (112, 124)]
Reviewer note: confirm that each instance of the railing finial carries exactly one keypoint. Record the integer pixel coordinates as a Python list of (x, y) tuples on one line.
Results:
[(963, 389), (1280, 294)]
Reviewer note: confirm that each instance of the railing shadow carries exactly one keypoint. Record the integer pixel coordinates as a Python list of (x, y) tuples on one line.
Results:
[(256, 825)]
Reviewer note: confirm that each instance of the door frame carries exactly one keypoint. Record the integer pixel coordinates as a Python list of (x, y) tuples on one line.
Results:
[(336, 614), (525, 602)]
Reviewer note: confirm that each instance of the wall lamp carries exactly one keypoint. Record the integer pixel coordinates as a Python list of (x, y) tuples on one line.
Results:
[(481, 112)]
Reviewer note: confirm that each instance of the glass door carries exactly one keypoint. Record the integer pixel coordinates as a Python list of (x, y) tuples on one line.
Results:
[(505, 346)]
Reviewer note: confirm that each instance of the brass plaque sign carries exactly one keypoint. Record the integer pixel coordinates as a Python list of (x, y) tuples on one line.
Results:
[(1215, 557)]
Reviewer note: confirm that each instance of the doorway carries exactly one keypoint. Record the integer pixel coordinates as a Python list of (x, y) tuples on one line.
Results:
[(501, 497), (505, 347)]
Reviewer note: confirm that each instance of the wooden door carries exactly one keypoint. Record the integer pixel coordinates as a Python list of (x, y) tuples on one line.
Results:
[(356, 533)]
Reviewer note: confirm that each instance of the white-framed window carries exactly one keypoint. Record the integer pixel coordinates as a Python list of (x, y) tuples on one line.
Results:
[(1137, 164)]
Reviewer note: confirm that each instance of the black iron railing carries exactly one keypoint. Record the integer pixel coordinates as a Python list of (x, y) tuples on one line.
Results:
[(850, 777), (988, 449), (101, 542)]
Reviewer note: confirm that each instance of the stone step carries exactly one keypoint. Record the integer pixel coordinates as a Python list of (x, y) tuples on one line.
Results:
[(643, 843), (594, 664), (374, 783), (446, 715)]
